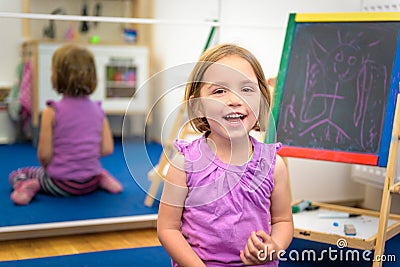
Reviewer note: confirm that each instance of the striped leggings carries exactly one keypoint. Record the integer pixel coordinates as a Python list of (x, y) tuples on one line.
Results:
[(63, 188)]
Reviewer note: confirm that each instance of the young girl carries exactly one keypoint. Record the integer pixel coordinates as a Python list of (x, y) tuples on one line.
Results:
[(74, 134), (225, 200)]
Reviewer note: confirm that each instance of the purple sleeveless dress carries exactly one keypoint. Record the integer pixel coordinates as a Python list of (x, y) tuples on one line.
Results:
[(225, 203)]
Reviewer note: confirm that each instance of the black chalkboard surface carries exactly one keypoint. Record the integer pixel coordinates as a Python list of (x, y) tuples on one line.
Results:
[(336, 90)]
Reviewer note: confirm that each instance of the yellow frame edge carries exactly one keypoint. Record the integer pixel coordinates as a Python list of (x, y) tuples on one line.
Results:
[(349, 16)]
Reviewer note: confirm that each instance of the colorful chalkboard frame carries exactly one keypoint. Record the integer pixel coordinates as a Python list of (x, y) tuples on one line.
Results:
[(377, 157)]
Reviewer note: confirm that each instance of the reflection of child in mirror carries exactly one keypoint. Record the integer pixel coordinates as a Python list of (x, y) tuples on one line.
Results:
[(225, 197), (74, 134)]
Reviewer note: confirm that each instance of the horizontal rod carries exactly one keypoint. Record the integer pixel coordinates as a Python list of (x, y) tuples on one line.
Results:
[(128, 20)]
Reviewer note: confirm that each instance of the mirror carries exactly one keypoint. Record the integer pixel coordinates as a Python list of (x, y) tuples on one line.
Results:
[(28, 63)]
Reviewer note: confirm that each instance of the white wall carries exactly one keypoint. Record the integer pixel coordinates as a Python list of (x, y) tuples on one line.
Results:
[(10, 32), (266, 40), (174, 45)]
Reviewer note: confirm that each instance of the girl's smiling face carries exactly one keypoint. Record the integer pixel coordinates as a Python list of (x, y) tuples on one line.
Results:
[(230, 97)]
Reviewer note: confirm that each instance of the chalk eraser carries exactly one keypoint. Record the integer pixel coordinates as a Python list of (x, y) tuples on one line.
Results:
[(349, 229)]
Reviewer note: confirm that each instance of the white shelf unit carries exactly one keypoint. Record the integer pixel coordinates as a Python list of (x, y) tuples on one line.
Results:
[(105, 57)]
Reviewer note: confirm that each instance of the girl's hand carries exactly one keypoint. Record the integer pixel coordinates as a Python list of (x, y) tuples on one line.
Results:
[(260, 248)]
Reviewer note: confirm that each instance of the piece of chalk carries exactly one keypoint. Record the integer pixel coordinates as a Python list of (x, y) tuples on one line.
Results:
[(330, 215)]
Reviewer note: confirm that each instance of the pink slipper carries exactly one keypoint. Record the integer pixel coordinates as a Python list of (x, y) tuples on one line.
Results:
[(25, 191), (109, 183)]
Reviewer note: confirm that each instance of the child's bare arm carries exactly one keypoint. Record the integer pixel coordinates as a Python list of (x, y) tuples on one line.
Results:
[(107, 141), (281, 211), (169, 217), (45, 145)]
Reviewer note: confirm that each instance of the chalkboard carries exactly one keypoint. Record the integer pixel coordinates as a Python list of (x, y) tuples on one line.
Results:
[(336, 90)]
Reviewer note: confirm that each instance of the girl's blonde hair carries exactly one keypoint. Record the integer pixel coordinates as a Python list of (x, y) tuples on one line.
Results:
[(73, 71), (196, 82)]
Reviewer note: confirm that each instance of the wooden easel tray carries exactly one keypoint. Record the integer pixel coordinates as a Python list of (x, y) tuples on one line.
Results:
[(308, 225)]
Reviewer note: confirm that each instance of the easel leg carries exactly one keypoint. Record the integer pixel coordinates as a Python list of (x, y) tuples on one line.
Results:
[(389, 182), (157, 174), (383, 222), (152, 192)]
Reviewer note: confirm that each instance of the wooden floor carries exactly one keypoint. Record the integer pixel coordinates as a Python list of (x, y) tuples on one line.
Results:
[(64, 245)]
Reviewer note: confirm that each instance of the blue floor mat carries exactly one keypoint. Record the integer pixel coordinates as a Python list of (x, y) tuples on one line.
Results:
[(99, 204), (157, 257), (147, 256)]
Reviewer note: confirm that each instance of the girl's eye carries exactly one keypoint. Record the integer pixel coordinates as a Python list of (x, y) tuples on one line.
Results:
[(248, 89), (219, 91)]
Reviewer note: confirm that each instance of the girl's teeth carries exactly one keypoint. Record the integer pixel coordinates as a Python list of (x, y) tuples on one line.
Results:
[(234, 116)]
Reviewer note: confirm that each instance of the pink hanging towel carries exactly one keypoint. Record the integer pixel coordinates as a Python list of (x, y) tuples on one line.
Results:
[(25, 94)]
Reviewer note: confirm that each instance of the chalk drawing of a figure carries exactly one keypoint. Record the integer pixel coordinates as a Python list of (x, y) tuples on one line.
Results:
[(336, 75)]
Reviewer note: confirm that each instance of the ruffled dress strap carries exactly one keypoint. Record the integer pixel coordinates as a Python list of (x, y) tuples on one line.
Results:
[(182, 146)]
